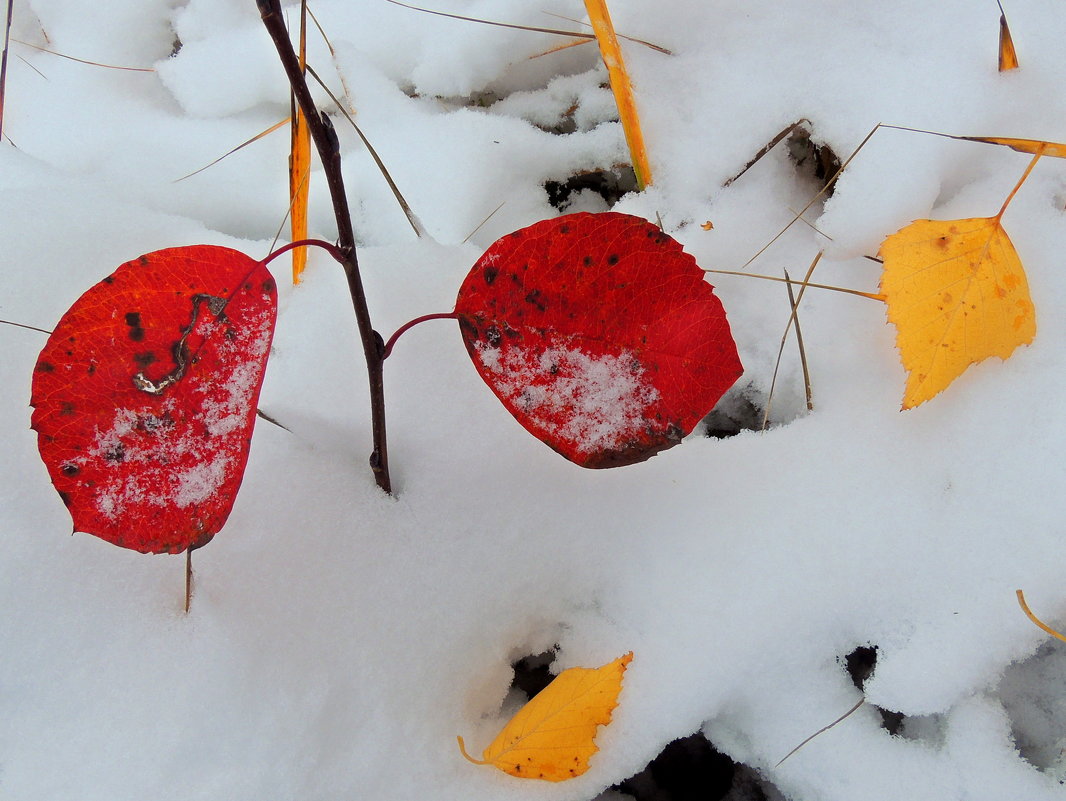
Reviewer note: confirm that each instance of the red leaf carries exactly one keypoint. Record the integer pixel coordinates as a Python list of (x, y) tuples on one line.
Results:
[(599, 334), (145, 395)]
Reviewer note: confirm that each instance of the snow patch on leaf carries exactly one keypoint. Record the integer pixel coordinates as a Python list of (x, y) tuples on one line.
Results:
[(596, 402)]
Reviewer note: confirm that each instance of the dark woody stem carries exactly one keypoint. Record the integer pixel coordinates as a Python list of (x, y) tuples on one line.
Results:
[(325, 138)]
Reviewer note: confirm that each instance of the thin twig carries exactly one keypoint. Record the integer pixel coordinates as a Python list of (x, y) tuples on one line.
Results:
[(23, 325), (3, 62), (491, 213), (851, 711)]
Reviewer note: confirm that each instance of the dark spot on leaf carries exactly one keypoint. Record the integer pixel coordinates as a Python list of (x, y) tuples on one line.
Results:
[(268, 286), (492, 336), (612, 259), (143, 261), (133, 320), (116, 453), (564, 229), (490, 274), (534, 297), (144, 359), (45, 367), (109, 280), (65, 498), (587, 260), (66, 408), (518, 768), (91, 369), (69, 470)]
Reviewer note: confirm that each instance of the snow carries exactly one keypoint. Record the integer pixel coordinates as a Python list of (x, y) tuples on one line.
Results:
[(339, 639)]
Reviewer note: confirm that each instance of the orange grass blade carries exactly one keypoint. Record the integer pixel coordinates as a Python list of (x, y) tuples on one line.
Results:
[(1008, 56), (1031, 146), (1037, 621), (622, 88), (299, 166)]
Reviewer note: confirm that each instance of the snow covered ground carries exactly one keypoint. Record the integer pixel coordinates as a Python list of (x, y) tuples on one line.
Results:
[(339, 639)]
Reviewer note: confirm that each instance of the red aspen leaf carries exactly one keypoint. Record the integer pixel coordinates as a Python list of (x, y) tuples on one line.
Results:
[(145, 395), (599, 334)]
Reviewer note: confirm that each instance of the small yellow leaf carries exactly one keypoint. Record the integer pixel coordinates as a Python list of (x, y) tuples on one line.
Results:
[(957, 294), (553, 736)]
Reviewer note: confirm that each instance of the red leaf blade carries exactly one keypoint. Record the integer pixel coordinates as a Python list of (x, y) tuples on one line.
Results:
[(145, 396), (599, 334)]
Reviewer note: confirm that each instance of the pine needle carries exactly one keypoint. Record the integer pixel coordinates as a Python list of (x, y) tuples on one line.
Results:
[(622, 88)]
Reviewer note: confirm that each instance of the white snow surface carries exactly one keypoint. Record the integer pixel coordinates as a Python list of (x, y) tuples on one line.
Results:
[(339, 639)]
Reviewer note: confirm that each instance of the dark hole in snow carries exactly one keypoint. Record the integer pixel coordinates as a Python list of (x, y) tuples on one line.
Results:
[(860, 665), (611, 185), (813, 159), (692, 769), (737, 411), (532, 673)]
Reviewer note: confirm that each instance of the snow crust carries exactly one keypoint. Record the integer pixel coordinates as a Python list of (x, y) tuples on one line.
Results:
[(596, 403), (340, 639)]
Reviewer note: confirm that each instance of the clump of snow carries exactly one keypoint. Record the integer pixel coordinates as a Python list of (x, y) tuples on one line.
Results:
[(596, 402), (340, 639)]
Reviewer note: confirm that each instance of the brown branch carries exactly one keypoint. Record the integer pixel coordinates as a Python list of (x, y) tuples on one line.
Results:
[(328, 146)]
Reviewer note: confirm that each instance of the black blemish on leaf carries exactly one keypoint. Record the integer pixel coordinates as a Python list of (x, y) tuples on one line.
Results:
[(144, 359), (66, 409), (116, 453), (492, 336), (143, 261), (269, 285), (564, 229), (612, 259), (109, 280), (133, 320), (65, 498), (230, 334), (490, 274), (534, 297), (91, 369), (45, 367), (70, 470), (587, 261)]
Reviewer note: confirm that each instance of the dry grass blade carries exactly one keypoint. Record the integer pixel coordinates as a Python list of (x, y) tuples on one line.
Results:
[(412, 218), (299, 164), (662, 50), (622, 88), (578, 34), (817, 195), (1008, 56), (822, 730), (859, 292), (793, 319), (3, 63), (478, 228), (766, 149), (244, 144), (1037, 621), (799, 344), (82, 60)]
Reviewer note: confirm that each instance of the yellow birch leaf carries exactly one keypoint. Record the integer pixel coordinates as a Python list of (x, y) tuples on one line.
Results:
[(957, 294), (553, 736)]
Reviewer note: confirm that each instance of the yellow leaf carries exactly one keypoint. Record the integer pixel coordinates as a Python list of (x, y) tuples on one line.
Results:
[(553, 736), (1034, 146), (299, 166), (957, 294)]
